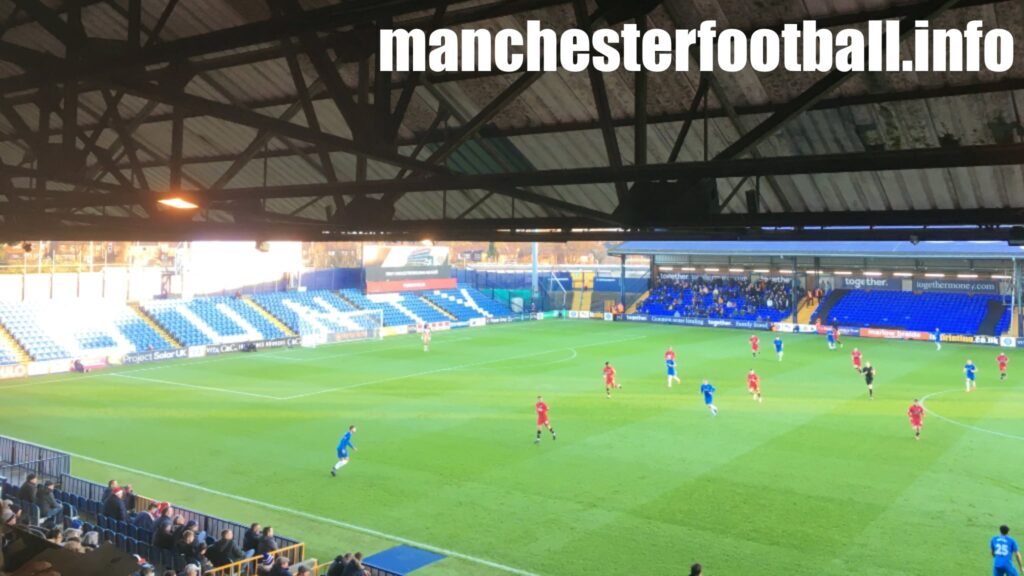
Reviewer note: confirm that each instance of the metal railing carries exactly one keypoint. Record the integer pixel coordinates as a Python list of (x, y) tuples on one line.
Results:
[(295, 554)]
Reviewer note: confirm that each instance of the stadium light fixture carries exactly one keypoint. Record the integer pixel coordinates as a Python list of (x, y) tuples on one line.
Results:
[(902, 274), (688, 269), (785, 272), (811, 272), (761, 271), (843, 273), (935, 275), (1001, 277), (871, 273), (178, 202), (666, 268), (967, 276), (735, 269), (711, 269)]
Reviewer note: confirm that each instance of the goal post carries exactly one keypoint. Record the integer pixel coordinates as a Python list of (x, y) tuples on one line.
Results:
[(318, 327)]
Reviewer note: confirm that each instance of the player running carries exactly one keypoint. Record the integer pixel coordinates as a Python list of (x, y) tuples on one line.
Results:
[(343, 446), (426, 338), (916, 415), (1003, 361), (938, 339), (1004, 551), (709, 396), (609, 379), (755, 345), (542, 420), (835, 336), (856, 359), (869, 378), (831, 337), (778, 347), (969, 372), (754, 385)]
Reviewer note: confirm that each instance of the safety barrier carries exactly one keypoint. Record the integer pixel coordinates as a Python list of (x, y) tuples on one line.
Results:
[(23, 457), (295, 554)]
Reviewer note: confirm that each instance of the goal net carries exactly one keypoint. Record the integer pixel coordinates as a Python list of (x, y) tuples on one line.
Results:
[(317, 327)]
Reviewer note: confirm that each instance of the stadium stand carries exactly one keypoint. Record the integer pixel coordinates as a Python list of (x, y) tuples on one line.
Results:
[(720, 298), (8, 355), (953, 313), (480, 302), (55, 330), (389, 304), (455, 304), (321, 310), (214, 320)]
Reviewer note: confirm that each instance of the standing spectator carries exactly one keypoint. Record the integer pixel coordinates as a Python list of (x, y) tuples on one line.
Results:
[(251, 539), (48, 506), (111, 486), (267, 541), (163, 536), (146, 520), (114, 506), (27, 492), (225, 551)]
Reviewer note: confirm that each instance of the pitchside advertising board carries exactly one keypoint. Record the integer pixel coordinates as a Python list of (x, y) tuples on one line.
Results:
[(971, 286), (407, 268), (868, 282)]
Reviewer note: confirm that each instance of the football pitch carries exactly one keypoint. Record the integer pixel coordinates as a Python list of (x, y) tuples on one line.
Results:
[(817, 479)]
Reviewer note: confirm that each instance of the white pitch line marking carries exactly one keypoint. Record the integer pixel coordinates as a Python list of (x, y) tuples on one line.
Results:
[(961, 424), (197, 387)]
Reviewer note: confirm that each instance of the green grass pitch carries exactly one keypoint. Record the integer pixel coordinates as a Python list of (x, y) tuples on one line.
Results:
[(816, 480)]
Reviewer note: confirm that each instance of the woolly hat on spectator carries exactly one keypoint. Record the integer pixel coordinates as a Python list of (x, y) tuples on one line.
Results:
[(163, 506), (267, 559)]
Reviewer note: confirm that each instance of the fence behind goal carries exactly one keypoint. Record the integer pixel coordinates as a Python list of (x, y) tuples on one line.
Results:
[(316, 328)]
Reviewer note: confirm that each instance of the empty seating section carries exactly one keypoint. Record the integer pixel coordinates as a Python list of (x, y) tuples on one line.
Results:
[(7, 354), (952, 313), (393, 315), (305, 312), (168, 314), (137, 331), (455, 303), (422, 310), (21, 320), (490, 308)]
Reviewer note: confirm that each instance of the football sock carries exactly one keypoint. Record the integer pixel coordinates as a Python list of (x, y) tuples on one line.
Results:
[(340, 464)]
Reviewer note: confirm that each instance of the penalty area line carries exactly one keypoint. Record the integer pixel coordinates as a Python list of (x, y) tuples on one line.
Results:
[(300, 514)]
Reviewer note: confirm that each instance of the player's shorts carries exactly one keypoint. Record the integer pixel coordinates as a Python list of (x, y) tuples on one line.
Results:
[(856, 364), (754, 387), (915, 423), (1004, 571), (708, 400), (342, 454), (755, 348), (542, 420), (609, 383), (1002, 367), (971, 377), (778, 350), (671, 371)]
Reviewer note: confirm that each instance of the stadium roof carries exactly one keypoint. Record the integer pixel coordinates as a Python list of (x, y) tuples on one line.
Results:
[(272, 118), (921, 251)]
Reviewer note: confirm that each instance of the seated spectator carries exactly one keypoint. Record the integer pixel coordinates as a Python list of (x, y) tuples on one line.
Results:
[(355, 566), (190, 570), (281, 567), (265, 565), (225, 551), (337, 568), (251, 539), (55, 535), (146, 520), (114, 506), (267, 541), (48, 506), (303, 571), (74, 545), (27, 492), (187, 547)]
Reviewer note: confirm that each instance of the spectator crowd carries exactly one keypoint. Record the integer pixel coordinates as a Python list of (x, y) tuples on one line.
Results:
[(196, 552), (728, 298)]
